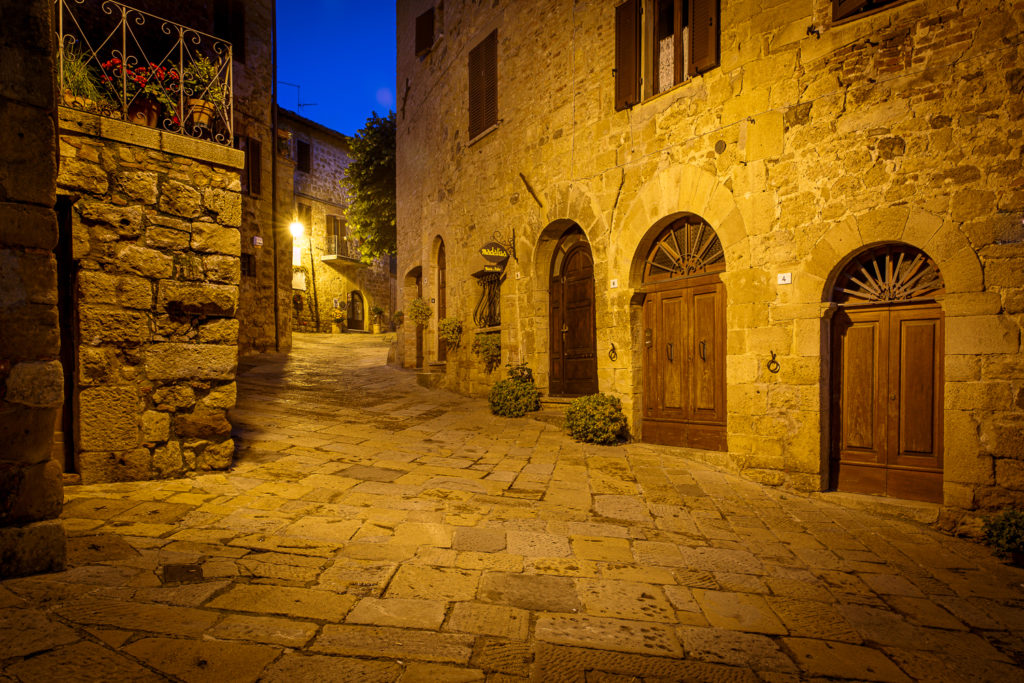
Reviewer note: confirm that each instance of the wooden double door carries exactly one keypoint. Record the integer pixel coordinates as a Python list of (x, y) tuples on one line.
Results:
[(887, 389), (573, 324), (684, 364)]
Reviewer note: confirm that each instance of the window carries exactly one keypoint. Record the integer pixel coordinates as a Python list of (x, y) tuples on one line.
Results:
[(844, 9), (425, 32), (252, 173), (483, 85), (661, 43), (337, 232), (302, 155), (229, 24), (248, 265)]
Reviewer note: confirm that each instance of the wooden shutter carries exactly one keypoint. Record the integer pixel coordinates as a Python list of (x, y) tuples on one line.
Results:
[(483, 85), (254, 165), (842, 9), (425, 32), (302, 160), (627, 54), (704, 33), (242, 143)]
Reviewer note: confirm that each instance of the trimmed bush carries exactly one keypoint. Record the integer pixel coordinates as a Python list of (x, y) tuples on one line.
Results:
[(1005, 533), (596, 418), (514, 398)]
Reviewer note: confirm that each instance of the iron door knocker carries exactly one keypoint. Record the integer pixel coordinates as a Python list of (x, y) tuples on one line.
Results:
[(773, 365)]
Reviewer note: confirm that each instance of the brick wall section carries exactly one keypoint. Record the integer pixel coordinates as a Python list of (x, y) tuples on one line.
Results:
[(322, 190), (156, 246), (31, 538), (799, 150)]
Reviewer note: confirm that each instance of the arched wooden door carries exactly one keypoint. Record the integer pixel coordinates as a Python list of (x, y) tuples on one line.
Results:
[(442, 301), (684, 338), (573, 318), (355, 311), (887, 376)]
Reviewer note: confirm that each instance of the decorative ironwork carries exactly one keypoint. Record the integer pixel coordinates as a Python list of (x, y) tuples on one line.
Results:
[(888, 274), (686, 248), (508, 245), (124, 63), (488, 309)]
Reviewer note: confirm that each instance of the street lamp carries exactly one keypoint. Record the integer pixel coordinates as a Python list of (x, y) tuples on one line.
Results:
[(297, 229)]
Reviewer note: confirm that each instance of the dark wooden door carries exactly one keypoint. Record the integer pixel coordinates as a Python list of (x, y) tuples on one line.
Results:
[(419, 328), (442, 301), (355, 311), (574, 325), (887, 381), (684, 364)]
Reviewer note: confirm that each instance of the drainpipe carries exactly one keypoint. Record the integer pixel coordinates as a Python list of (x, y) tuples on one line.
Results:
[(275, 222)]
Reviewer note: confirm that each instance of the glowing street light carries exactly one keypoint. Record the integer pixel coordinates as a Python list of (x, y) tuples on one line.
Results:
[(297, 229)]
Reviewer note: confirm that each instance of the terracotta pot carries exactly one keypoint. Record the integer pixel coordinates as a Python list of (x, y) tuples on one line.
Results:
[(202, 112), (376, 328), (338, 328), (144, 113)]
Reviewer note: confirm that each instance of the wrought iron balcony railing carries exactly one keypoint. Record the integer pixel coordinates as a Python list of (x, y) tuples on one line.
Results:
[(120, 62), (342, 246)]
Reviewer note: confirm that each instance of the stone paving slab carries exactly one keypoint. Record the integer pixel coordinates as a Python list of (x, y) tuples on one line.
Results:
[(375, 530)]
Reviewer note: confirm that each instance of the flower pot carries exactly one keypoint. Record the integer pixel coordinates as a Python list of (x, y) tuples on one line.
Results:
[(376, 328), (144, 113), (338, 328), (202, 112), (1017, 558)]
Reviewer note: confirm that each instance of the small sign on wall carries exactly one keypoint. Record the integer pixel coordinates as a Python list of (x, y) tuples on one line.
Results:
[(257, 241)]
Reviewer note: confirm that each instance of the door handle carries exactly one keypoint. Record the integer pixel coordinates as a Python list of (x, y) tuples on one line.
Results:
[(565, 328), (702, 349), (670, 352)]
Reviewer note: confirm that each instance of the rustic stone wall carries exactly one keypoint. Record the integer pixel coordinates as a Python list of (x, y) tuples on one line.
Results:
[(800, 149), (156, 247), (260, 330), (31, 536), (322, 191)]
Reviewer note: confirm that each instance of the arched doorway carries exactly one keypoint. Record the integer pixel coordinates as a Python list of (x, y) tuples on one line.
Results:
[(887, 375), (442, 300), (572, 317), (684, 337), (355, 311)]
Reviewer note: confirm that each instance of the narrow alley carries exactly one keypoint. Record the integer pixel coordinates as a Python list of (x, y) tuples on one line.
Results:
[(375, 530)]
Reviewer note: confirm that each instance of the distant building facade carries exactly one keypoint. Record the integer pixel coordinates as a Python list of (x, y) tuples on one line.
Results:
[(789, 238), (332, 287)]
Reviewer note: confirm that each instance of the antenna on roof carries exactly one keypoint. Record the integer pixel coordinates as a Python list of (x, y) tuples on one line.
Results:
[(299, 104)]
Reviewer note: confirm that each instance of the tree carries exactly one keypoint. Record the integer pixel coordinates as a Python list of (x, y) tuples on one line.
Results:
[(370, 183)]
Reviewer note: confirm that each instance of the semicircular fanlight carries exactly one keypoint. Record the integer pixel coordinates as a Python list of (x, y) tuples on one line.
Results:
[(891, 273), (687, 248)]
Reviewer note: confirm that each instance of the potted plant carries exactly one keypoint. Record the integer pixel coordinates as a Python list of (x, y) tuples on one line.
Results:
[(397, 318), (149, 90), (80, 84), (203, 90), (376, 312), (338, 316), (419, 311), (1005, 533), (487, 345), (450, 332)]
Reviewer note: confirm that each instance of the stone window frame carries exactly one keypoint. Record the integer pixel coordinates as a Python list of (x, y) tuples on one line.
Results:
[(303, 156), (483, 86), (844, 11)]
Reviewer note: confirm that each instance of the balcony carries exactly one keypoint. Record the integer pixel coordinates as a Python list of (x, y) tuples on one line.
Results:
[(341, 247), (120, 62)]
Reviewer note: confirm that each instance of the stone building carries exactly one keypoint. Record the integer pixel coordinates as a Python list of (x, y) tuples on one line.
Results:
[(788, 235), (329, 279), (31, 380)]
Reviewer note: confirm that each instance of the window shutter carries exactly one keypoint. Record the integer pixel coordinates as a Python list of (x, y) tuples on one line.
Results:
[(483, 85), (704, 33), (845, 8), (242, 143), (302, 160), (627, 54), (425, 32), (254, 162)]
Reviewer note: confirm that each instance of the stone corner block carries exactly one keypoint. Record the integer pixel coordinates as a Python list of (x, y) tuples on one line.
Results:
[(32, 549), (38, 385), (173, 361)]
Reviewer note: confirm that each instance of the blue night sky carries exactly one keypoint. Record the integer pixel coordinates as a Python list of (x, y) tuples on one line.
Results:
[(342, 53)]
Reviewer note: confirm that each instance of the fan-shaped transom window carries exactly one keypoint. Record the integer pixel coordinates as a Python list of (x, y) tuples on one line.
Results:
[(891, 273), (570, 238), (687, 248)]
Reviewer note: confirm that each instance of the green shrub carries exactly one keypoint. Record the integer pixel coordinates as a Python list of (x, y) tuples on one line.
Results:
[(520, 373), (398, 318), (514, 397), (1005, 532), (419, 311), (487, 345), (450, 332), (596, 418)]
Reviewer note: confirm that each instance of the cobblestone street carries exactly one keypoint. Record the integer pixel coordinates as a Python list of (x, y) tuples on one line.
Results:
[(376, 530)]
